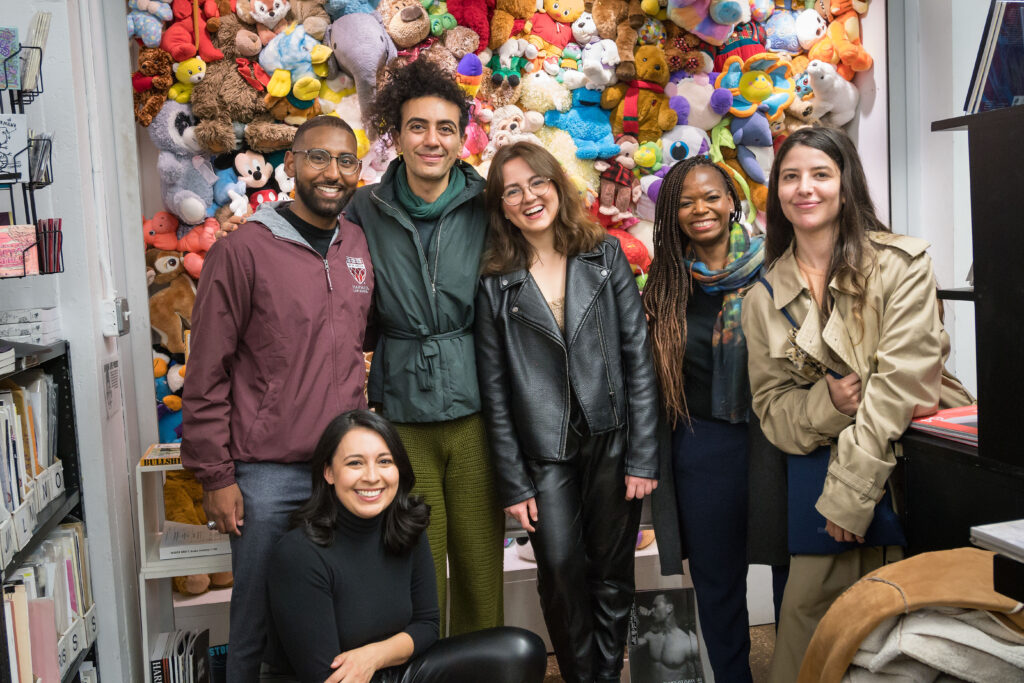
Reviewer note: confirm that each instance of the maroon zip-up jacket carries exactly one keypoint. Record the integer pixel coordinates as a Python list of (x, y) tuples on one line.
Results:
[(276, 346)]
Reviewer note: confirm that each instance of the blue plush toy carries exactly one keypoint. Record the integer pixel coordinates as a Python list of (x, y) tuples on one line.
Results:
[(146, 20), (587, 123), (747, 132), (339, 8)]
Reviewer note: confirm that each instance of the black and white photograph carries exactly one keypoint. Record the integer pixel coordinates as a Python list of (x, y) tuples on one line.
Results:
[(663, 643)]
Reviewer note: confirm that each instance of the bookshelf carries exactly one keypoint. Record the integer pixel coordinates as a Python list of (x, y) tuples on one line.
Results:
[(157, 599), (55, 495)]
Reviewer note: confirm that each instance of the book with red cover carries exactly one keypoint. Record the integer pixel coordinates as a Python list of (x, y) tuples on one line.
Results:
[(42, 626), (959, 424)]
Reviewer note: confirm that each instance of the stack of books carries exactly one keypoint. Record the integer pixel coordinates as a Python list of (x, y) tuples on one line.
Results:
[(6, 358), (958, 424), (181, 657), (28, 428), (47, 604), (31, 326)]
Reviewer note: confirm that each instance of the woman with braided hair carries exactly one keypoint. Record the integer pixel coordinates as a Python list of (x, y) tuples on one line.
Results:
[(703, 259)]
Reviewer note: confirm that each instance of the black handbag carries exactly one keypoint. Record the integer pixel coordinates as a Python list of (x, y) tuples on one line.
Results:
[(805, 481)]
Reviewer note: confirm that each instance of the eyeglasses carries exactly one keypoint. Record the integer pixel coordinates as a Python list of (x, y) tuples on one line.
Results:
[(514, 195), (319, 159)]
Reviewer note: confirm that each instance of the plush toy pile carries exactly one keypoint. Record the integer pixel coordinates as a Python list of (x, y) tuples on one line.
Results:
[(617, 90)]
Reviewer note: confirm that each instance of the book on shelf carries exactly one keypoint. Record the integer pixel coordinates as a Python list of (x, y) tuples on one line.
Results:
[(28, 422), (958, 424), (53, 584), (161, 454), (1005, 538), (13, 145), (10, 66), (19, 253), (998, 78), (29, 315), (7, 358), (191, 540), (38, 33), (180, 657)]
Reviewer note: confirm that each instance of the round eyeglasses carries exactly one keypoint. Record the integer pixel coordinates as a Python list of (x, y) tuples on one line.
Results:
[(514, 195), (319, 159)]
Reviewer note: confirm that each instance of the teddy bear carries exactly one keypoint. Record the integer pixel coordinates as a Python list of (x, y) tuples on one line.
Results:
[(542, 92), (587, 123), (292, 111), (290, 57), (619, 188), (710, 20), (183, 503), (186, 74), (835, 98), (146, 20), (406, 21), (474, 14), (312, 15), (498, 94), (511, 124), (641, 107), (683, 53), (228, 104), (186, 177), (172, 295), (510, 18), (160, 231), (598, 63), (180, 38), (363, 60), (150, 83), (619, 20)]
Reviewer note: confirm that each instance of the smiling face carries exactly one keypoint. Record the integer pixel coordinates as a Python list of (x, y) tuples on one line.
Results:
[(705, 208), (534, 215), (363, 473), (809, 190), (321, 195), (430, 141)]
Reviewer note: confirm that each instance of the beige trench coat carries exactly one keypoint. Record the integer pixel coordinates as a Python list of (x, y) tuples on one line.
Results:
[(899, 354)]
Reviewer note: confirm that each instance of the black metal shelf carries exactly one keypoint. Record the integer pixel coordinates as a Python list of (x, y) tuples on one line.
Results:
[(957, 294), (28, 356), (52, 515)]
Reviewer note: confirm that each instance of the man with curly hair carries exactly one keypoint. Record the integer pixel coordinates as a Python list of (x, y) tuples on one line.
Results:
[(425, 225)]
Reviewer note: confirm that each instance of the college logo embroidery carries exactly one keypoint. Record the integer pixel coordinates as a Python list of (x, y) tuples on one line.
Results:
[(357, 268)]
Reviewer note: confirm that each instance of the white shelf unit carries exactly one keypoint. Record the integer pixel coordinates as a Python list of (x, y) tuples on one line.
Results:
[(157, 599)]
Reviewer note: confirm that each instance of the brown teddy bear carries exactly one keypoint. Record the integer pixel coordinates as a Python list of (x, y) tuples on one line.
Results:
[(619, 20), (641, 107), (286, 109), (512, 17), (405, 21), (151, 82), (498, 95), (682, 51), (233, 91), (183, 503), (171, 297)]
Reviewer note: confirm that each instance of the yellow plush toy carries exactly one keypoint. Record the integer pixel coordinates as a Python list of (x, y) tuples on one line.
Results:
[(183, 502), (187, 73)]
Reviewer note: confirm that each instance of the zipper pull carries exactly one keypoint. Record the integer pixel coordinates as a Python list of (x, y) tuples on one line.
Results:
[(327, 270)]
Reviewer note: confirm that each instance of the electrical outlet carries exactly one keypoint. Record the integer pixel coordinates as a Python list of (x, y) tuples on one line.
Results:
[(116, 317)]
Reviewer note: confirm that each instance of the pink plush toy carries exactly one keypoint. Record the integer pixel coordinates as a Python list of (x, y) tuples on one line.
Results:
[(195, 244), (161, 231)]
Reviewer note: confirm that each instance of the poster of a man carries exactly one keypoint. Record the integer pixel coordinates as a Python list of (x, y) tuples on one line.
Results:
[(663, 644)]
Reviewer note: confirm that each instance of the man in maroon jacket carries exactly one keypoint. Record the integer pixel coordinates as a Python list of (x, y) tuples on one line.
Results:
[(277, 339)]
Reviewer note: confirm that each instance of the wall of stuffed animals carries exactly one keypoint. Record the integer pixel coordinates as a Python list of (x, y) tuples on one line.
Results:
[(220, 85)]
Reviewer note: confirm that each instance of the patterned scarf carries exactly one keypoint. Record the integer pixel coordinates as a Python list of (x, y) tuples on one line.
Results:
[(730, 390)]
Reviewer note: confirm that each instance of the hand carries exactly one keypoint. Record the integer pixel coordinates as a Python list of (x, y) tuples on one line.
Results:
[(354, 666), (840, 534), (225, 507), (524, 512), (230, 225), (845, 393), (638, 487)]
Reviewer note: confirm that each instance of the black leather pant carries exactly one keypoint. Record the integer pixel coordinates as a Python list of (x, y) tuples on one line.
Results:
[(584, 545), (496, 655)]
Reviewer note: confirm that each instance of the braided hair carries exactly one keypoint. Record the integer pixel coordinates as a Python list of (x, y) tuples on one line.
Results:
[(668, 283)]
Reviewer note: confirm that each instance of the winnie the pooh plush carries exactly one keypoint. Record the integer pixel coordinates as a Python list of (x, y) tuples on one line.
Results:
[(641, 107), (183, 503)]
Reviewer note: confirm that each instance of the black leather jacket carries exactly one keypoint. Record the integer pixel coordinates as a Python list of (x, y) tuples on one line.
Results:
[(525, 366)]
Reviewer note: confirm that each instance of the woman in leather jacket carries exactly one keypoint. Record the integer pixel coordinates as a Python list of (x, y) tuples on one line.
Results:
[(570, 401)]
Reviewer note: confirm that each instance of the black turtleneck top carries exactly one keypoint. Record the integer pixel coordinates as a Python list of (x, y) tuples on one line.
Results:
[(328, 600)]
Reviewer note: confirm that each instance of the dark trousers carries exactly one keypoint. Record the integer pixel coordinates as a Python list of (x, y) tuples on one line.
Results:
[(710, 465), (496, 655), (584, 544)]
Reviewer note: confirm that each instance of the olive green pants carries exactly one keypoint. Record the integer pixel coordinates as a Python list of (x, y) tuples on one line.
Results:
[(814, 582), (455, 477)]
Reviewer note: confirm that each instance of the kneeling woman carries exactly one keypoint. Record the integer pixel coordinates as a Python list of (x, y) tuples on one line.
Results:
[(352, 590), (570, 402)]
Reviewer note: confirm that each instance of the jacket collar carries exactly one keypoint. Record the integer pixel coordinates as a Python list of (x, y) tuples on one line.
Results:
[(384, 191), (585, 275), (278, 226)]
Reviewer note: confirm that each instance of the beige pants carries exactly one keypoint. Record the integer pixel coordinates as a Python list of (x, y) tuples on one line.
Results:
[(815, 581)]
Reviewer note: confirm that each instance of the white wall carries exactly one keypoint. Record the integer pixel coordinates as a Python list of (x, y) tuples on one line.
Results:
[(84, 105), (934, 45)]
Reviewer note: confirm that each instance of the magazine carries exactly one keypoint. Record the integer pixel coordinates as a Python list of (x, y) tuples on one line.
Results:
[(998, 78), (663, 642), (959, 424)]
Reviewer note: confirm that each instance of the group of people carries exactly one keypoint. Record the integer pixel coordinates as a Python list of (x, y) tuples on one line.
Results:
[(517, 368)]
